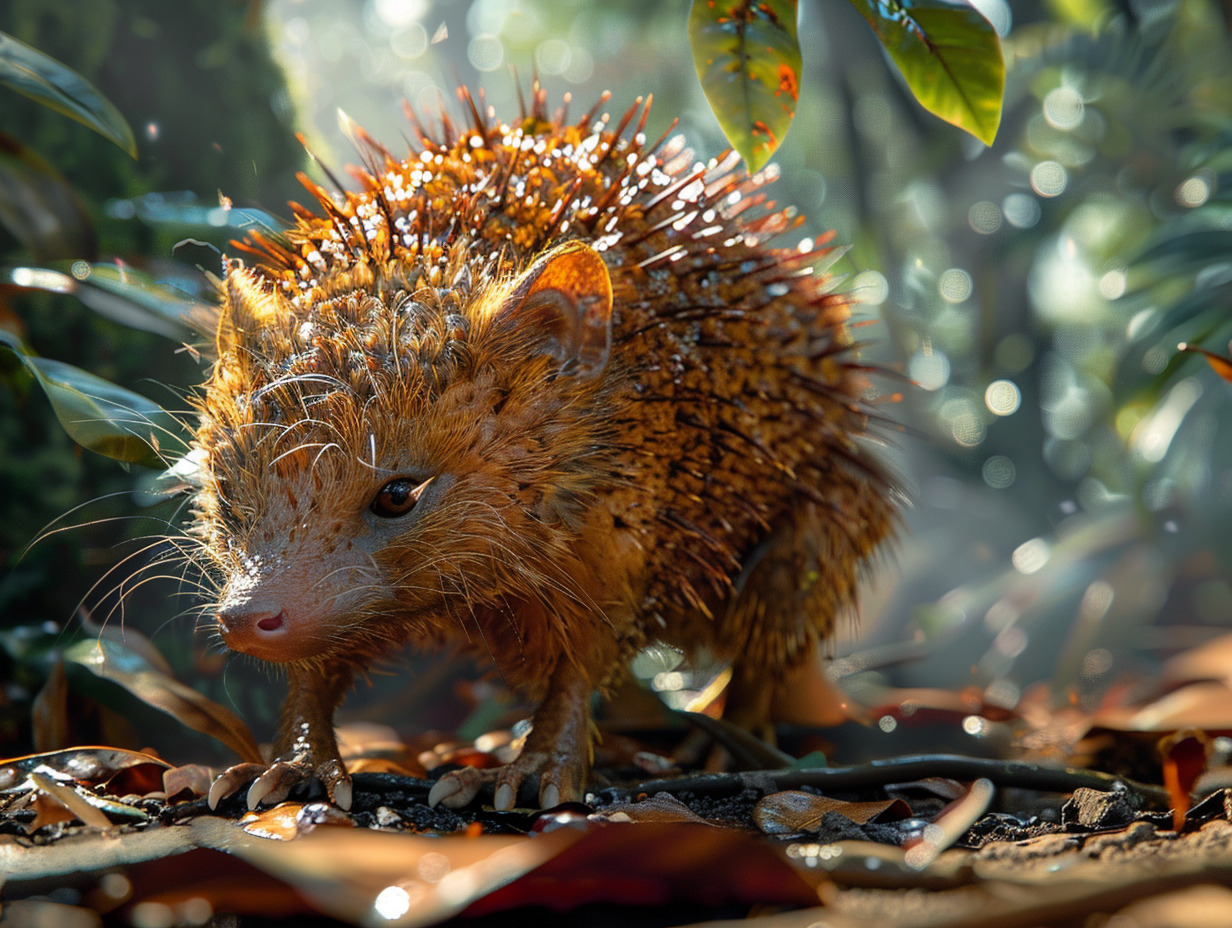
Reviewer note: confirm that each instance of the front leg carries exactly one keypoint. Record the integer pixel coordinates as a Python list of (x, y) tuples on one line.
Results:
[(557, 752), (305, 748)]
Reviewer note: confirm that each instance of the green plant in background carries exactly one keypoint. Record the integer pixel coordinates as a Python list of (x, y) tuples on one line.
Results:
[(1038, 292), (98, 337), (747, 57)]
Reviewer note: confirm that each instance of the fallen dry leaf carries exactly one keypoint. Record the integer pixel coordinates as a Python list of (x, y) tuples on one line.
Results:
[(661, 807), (109, 660), (791, 811)]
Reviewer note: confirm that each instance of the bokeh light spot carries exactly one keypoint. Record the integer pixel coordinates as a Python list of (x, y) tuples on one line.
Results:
[(1021, 210), (955, 285), (1049, 178), (1030, 556), (1111, 284), (929, 369), (485, 52), (999, 472), (1002, 397), (1063, 108), (870, 288), (553, 56), (984, 217), (1193, 192), (410, 42)]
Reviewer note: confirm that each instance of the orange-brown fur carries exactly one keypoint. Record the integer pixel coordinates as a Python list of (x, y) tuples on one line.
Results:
[(696, 479)]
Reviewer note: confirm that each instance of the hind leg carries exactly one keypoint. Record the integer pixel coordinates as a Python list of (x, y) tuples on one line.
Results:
[(796, 586)]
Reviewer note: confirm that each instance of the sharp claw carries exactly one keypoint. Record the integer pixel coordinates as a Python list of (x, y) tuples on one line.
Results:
[(258, 791), (442, 789), (504, 798), (340, 793), (550, 796), (220, 789)]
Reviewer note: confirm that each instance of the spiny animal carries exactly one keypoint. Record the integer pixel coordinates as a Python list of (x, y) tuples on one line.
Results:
[(542, 389)]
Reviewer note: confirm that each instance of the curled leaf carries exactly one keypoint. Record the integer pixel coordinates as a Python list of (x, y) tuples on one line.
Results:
[(748, 61), (98, 414), (661, 807), (791, 811), (111, 661), (42, 78), (84, 764), (949, 55)]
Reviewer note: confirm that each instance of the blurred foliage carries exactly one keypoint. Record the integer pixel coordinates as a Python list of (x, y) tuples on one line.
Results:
[(1070, 467), (180, 74)]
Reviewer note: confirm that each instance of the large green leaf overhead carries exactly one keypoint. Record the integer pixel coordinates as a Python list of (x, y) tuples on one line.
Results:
[(748, 61), (100, 415), (30, 72), (949, 55)]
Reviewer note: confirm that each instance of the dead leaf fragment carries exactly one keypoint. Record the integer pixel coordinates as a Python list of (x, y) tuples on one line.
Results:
[(111, 661), (50, 710), (791, 811), (193, 779), (661, 807), (1185, 756)]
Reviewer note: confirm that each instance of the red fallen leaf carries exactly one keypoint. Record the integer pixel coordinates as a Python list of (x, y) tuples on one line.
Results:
[(138, 780), (792, 811), (225, 882), (362, 876), (469, 757), (1185, 755), (655, 864), (916, 705), (1210, 661)]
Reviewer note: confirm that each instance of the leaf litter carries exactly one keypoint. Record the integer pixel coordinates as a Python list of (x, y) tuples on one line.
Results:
[(979, 837)]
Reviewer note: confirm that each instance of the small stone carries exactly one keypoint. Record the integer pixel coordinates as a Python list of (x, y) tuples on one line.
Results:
[(1095, 809)]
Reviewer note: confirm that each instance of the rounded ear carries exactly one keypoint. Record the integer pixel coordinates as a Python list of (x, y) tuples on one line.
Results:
[(248, 302), (564, 304)]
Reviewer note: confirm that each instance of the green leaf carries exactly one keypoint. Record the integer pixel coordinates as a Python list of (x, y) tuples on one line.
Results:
[(124, 295), (748, 61), (30, 72), (99, 415), (39, 207), (949, 55)]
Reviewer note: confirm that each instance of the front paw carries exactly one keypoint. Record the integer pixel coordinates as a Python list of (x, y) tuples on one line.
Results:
[(273, 783), (561, 777)]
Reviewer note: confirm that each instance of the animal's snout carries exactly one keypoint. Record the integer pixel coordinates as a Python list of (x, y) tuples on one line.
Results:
[(253, 629)]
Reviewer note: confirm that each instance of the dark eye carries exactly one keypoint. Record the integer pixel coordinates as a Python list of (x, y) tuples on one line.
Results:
[(397, 498)]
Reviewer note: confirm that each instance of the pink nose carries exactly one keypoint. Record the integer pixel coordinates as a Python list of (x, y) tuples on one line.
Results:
[(252, 630)]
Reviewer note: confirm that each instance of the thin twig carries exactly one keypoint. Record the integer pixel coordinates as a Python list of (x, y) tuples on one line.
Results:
[(914, 767)]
